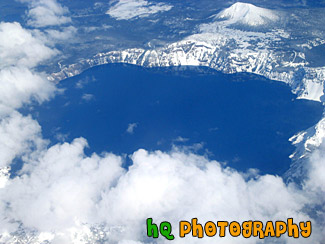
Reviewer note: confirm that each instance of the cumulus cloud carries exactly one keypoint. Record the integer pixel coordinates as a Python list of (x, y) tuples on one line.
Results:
[(20, 52), (19, 47), (56, 192), (129, 9), (316, 179), (20, 85), (19, 135), (65, 190), (44, 13)]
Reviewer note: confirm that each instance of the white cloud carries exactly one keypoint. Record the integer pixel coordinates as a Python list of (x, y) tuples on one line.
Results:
[(87, 97), (44, 13), (19, 47), (63, 34), (131, 128), (316, 174), (64, 190), (20, 85), (19, 135), (4, 176), (129, 9), (181, 139), (83, 82), (21, 51)]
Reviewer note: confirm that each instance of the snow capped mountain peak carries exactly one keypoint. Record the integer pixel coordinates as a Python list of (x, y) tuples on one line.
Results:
[(248, 14)]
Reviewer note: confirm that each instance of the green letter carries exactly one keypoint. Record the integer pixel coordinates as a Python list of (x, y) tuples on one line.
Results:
[(166, 230), (152, 229)]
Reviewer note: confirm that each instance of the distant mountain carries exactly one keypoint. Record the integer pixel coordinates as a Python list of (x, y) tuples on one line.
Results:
[(248, 14)]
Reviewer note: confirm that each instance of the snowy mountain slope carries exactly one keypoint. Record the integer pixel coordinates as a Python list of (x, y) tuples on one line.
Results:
[(306, 142), (247, 14), (228, 51)]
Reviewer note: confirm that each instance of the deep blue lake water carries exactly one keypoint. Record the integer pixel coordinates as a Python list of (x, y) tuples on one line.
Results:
[(244, 120)]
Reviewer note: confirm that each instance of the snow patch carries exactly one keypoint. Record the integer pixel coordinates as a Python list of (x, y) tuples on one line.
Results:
[(130, 9)]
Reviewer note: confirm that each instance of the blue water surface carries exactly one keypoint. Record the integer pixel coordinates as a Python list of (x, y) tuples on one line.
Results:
[(244, 120)]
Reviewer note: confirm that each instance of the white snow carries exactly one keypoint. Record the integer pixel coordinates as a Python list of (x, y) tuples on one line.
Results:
[(248, 14), (130, 9), (313, 91)]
